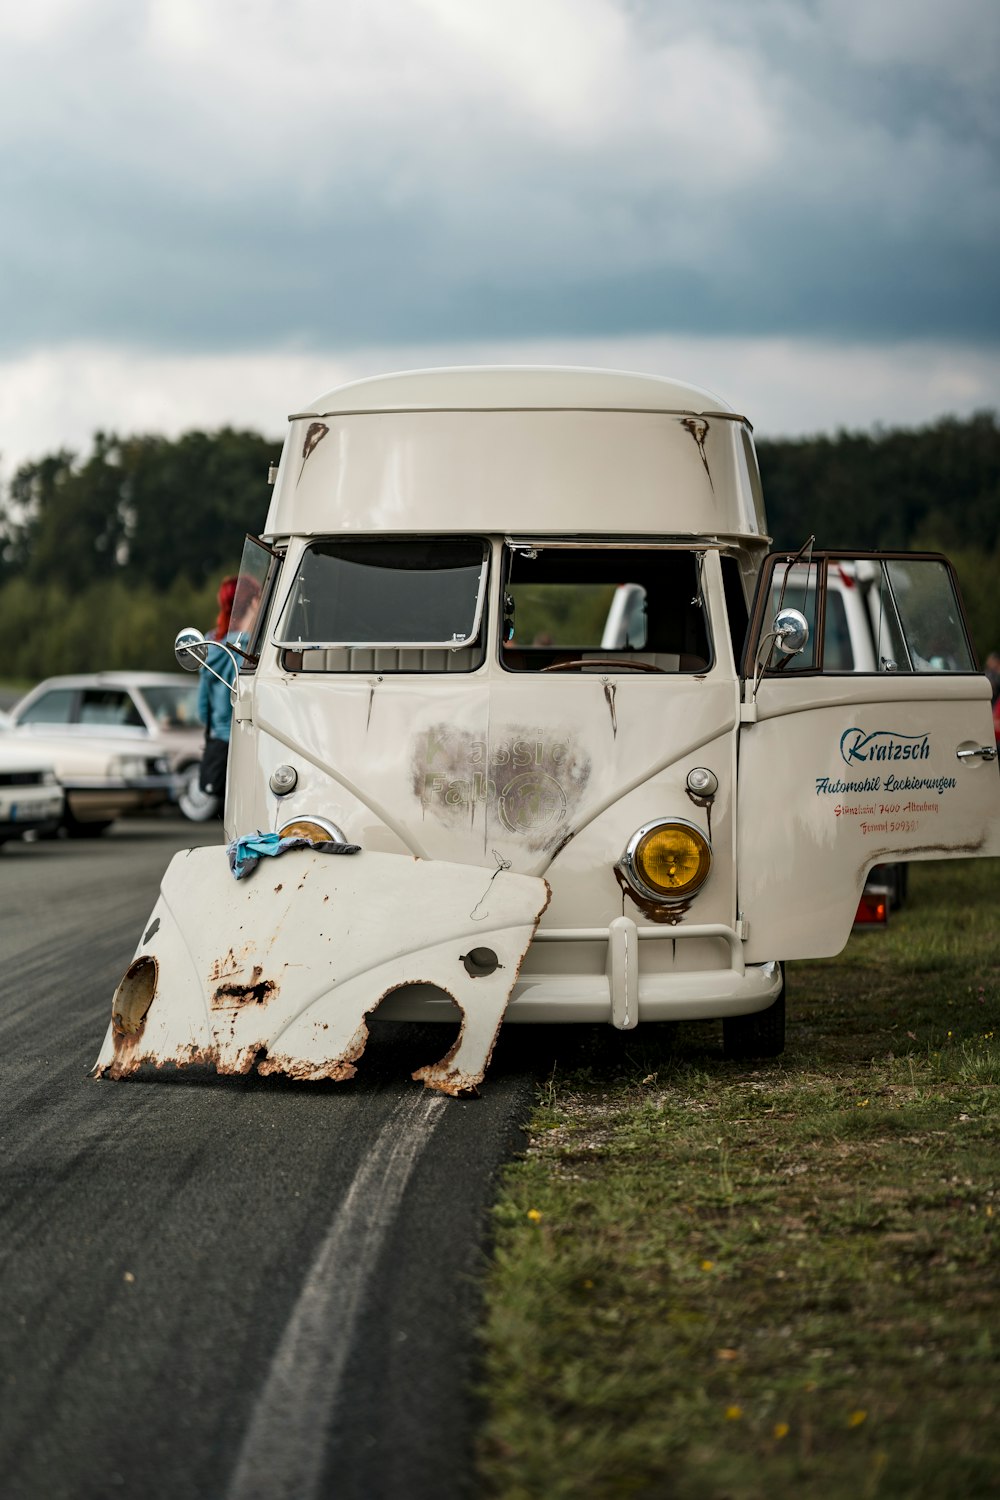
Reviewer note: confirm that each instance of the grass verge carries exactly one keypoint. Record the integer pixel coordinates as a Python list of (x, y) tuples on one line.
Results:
[(741, 1280)]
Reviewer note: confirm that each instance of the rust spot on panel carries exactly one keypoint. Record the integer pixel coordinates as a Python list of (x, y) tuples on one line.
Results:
[(609, 694), (337, 1070), (563, 842), (129, 1059), (698, 428), (671, 915), (921, 851), (454, 1082), (928, 851), (315, 433), (257, 992), (333, 1069), (704, 802), (277, 888)]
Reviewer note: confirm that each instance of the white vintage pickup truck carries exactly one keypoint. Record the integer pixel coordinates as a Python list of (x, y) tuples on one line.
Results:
[(521, 642)]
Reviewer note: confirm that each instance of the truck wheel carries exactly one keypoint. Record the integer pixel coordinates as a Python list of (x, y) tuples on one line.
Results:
[(759, 1035), (196, 805)]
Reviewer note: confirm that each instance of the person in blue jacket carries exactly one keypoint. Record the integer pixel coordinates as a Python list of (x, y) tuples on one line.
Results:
[(215, 701)]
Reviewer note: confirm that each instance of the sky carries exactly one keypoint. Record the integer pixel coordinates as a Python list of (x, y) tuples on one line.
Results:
[(213, 211)]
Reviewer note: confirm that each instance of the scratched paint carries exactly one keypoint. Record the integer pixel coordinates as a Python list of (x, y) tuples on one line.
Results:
[(230, 963)]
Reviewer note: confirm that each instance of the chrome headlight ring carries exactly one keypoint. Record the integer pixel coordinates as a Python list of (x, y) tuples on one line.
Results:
[(324, 826)]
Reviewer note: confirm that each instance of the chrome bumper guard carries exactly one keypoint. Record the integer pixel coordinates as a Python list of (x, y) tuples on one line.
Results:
[(623, 995)]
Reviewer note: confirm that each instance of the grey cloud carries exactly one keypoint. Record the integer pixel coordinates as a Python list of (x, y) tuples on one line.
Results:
[(869, 210)]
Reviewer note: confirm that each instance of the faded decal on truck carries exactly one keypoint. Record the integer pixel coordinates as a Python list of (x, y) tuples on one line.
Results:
[(531, 780)]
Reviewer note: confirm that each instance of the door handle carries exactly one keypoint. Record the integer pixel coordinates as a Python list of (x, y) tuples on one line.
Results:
[(988, 752)]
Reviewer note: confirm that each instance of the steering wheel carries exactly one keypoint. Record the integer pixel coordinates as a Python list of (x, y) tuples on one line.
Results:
[(614, 662)]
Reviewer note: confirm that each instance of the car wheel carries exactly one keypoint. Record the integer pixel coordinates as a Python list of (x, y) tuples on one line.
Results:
[(759, 1035), (196, 805)]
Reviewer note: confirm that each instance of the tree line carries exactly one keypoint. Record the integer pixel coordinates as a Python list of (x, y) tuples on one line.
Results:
[(104, 555), (934, 488)]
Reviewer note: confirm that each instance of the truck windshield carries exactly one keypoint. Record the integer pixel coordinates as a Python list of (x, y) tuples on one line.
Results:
[(588, 606), (416, 593)]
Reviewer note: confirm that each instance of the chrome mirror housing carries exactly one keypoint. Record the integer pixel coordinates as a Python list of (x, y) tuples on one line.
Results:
[(791, 631), (190, 649)]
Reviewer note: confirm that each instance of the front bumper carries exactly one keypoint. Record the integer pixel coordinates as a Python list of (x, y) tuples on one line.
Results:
[(26, 809), (93, 798), (630, 989)]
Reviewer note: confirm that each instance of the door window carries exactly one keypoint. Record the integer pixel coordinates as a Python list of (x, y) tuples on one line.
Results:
[(864, 614), (406, 593), (930, 616), (53, 707), (597, 607), (109, 706), (173, 707)]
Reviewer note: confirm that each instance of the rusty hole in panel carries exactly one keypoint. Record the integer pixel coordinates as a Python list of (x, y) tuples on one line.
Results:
[(258, 992), (134, 996), (479, 962)]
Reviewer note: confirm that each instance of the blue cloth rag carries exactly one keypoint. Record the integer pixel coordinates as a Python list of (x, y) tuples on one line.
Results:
[(245, 852)]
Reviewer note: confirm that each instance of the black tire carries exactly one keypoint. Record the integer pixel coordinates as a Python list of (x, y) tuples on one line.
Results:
[(759, 1035), (196, 805)]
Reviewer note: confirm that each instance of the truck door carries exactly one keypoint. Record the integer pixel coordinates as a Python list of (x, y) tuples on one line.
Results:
[(866, 736)]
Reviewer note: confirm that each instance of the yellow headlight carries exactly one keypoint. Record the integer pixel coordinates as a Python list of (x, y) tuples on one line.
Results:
[(670, 860), (316, 830)]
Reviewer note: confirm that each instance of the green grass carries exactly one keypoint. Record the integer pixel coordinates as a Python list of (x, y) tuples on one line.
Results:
[(722, 1280)]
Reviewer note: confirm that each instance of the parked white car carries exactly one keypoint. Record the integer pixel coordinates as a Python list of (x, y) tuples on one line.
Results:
[(31, 799), (146, 726)]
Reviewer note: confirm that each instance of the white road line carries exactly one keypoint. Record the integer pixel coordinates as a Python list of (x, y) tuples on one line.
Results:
[(285, 1444)]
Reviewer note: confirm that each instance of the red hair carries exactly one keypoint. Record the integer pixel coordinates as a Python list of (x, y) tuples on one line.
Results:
[(227, 593)]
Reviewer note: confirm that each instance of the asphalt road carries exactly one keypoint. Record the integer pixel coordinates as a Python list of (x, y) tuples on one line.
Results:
[(223, 1287)]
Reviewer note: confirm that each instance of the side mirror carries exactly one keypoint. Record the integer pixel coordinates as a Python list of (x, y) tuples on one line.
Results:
[(190, 649), (791, 631)]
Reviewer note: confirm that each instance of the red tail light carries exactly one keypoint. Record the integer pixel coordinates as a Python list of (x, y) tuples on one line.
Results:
[(873, 909)]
